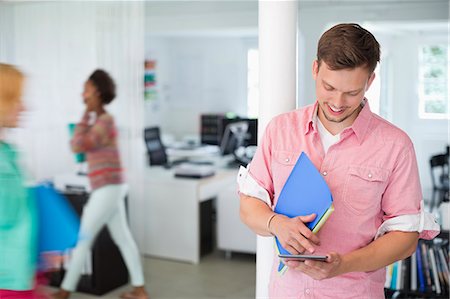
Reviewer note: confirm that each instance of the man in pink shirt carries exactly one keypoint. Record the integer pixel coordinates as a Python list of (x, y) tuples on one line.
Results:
[(369, 165)]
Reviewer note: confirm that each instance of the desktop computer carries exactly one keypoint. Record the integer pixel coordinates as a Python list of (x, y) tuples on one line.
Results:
[(213, 127)]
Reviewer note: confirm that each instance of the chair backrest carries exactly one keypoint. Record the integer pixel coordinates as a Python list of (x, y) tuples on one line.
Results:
[(439, 165), (155, 148), (233, 137)]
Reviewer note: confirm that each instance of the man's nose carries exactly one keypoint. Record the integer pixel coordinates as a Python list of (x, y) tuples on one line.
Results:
[(338, 100)]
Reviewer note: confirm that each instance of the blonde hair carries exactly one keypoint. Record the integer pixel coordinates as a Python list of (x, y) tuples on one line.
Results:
[(11, 82)]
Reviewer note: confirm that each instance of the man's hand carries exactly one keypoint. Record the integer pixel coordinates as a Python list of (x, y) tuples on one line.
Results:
[(293, 234), (319, 270)]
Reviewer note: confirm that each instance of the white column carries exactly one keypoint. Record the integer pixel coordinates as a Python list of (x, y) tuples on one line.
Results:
[(278, 77)]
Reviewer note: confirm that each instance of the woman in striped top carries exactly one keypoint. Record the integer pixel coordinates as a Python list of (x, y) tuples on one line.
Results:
[(97, 138)]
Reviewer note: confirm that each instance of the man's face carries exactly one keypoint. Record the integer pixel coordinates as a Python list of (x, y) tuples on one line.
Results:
[(339, 94)]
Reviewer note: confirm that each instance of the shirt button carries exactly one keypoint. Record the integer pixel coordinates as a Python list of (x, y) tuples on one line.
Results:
[(369, 175), (287, 160), (308, 291), (324, 173)]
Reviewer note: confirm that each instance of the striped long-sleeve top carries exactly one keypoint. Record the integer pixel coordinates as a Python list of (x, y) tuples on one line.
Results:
[(99, 143)]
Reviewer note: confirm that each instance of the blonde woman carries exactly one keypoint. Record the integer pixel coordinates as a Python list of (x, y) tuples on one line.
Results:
[(18, 222)]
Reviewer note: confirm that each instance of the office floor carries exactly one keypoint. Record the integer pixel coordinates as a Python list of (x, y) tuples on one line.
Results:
[(214, 277)]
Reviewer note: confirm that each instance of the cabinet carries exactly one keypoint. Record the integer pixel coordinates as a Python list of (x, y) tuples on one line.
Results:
[(108, 268), (429, 261), (178, 213), (232, 234)]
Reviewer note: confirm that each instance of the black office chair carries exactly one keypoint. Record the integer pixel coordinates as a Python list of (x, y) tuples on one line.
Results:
[(155, 148), (439, 165)]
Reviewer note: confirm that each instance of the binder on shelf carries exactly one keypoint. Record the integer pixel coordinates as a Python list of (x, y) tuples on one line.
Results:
[(434, 271), (414, 271), (444, 265), (427, 267), (394, 276), (440, 271), (420, 270), (400, 275), (305, 192), (407, 274), (388, 281)]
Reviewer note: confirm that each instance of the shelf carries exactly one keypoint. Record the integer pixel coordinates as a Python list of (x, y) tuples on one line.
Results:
[(389, 293), (412, 294)]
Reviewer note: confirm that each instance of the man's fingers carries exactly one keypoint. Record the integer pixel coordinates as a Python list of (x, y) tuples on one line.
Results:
[(292, 264), (307, 218), (305, 231), (291, 249), (297, 246)]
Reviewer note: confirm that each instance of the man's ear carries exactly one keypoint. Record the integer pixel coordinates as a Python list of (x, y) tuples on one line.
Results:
[(369, 82), (315, 69)]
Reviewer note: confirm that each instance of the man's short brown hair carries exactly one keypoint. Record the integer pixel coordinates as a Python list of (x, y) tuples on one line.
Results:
[(348, 46)]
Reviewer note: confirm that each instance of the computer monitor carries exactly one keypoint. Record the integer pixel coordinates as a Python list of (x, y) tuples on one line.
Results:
[(234, 137)]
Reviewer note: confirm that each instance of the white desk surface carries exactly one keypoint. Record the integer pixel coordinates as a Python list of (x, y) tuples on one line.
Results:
[(206, 187), (201, 151)]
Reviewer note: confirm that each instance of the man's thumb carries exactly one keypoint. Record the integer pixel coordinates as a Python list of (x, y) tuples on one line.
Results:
[(308, 218)]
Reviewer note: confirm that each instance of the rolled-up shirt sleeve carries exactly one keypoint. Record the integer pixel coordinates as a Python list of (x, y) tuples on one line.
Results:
[(402, 201), (256, 179), (423, 222)]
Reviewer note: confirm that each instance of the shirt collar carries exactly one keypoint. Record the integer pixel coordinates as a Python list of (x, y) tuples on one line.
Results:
[(359, 126), (311, 113)]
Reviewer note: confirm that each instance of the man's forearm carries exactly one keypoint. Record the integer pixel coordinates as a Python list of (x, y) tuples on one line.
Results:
[(255, 214), (383, 251)]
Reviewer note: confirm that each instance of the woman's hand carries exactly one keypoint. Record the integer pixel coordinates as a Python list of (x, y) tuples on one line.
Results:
[(293, 234)]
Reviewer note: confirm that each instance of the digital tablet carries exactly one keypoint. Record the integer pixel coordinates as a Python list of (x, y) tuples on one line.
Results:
[(302, 257)]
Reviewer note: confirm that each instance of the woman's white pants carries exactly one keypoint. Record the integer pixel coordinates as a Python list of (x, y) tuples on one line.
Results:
[(106, 205)]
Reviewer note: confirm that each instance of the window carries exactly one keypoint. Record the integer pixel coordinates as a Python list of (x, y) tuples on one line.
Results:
[(433, 81), (252, 83)]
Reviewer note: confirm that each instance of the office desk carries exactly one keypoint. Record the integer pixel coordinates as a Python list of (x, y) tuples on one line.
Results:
[(172, 225)]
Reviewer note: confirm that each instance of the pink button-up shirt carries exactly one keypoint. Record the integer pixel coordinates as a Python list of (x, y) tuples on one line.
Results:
[(372, 174)]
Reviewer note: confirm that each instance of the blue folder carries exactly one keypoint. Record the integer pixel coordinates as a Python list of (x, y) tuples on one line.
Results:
[(58, 222), (420, 270), (305, 192)]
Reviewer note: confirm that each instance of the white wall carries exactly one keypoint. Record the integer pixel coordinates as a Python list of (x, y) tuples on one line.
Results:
[(181, 17), (50, 48), (196, 75), (58, 45)]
